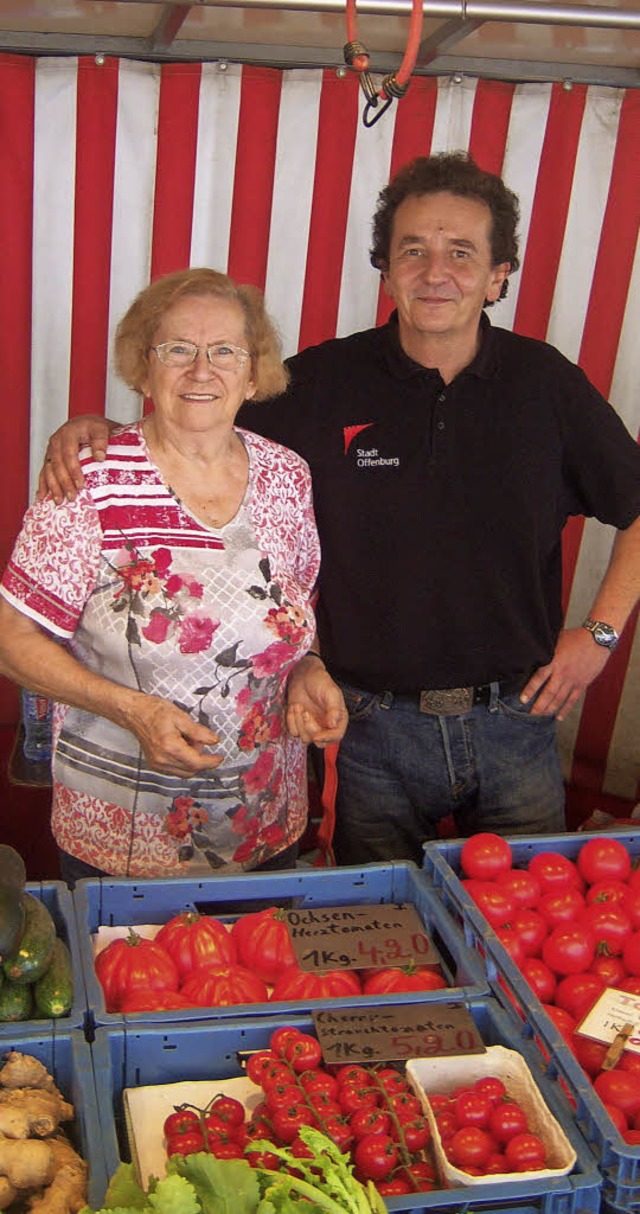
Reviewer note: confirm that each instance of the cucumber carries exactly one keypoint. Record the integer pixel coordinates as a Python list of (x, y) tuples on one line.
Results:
[(31, 958), (53, 993), (12, 918), (16, 1001)]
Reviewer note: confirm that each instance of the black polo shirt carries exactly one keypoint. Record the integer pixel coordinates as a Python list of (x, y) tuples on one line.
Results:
[(440, 507)]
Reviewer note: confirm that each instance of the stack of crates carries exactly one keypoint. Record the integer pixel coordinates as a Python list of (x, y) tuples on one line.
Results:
[(619, 1162)]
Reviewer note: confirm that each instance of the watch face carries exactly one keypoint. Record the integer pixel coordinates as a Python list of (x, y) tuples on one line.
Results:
[(604, 634)]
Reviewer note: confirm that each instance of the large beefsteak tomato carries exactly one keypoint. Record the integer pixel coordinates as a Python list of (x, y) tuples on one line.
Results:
[(194, 940), (264, 944), (416, 978), (224, 986), (295, 983), (134, 964)]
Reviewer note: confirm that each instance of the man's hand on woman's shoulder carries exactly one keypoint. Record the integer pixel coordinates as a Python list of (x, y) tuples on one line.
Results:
[(61, 475)]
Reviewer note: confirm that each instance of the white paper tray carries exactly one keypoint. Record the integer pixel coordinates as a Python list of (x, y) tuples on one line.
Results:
[(429, 1076)]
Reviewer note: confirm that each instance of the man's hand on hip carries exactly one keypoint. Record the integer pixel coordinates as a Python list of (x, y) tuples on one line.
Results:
[(576, 662)]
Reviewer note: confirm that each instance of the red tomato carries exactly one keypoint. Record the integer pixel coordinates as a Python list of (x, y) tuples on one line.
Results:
[(559, 908), (607, 891), (385, 982), (134, 964), (264, 943), (376, 1156), (541, 979), (224, 986), (294, 983), (193, 940), (604, 859), (590, 1054), (317, 1081), (185, 1144), (525, 1153), (632, 1137), (578, 992), (263, 1159), (391, 1080), (618, 1118), (303, 1053), (183, 1121), (352, 1097), (507, 1120), (470, 1147), (629, 1062), (496, 1164), (610, 925), (484, 856), (352, 1072), (631, 904), (259, 1063), (154, 1001), (522, 886), (396, 1187), (531, 930), (494, 902), (281, 1094), (287, 1121), (554, 872), (225, 1150), (611, 969), (370, 1120), (416, 1134), (447, 1124), (280, 1038), (404, 1105), (510, 940), (473, 1108), (621, 1088), (631, 954), (564, 1021), (569, 950), (631, 984), (339, 1132), (492, 1087)]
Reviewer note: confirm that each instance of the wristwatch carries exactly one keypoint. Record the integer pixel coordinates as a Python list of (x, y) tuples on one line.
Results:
[(603, 634)]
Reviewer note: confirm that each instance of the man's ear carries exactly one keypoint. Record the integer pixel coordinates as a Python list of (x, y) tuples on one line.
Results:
[(498, 275)]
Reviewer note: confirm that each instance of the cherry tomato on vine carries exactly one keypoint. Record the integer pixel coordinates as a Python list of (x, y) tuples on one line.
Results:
[(185, 1144), (376, 1156), (304, 1052), (281, 1037), (416, 1134), (397, 1186), (351, 1098), (229, 1109), (314, 1081), (287, 1121), (370, 1121), (181, 1122), (258, 1063)]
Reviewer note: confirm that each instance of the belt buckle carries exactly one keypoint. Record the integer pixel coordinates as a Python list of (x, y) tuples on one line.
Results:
[(447, 703)]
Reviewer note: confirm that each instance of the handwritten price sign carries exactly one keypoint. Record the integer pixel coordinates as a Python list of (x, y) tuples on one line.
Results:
[(397, 1033), (609, 1015), (359, 937)]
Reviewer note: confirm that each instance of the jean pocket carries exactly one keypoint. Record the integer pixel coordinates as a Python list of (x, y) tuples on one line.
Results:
[(512, 707), (360, 704)]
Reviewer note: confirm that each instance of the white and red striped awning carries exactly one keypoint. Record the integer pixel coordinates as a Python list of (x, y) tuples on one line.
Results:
[(116, 171)]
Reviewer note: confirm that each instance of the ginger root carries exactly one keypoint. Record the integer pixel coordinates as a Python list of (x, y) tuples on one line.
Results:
[(25, 1071), (25, 1112), (7, 1193), (27, 1164), (67, 1193)]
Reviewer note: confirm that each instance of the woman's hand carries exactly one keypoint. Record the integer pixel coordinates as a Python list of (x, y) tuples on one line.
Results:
[(61, 474), (316, 710), (171, 740)]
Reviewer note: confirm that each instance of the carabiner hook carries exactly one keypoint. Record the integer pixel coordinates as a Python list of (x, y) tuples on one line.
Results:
[(372, 105)]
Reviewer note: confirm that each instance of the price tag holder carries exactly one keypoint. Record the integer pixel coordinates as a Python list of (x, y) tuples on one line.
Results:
[(397, 1032), (359, 937), (614, 1014)]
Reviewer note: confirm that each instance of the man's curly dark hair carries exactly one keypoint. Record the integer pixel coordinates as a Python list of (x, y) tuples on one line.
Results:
[(455, 173)]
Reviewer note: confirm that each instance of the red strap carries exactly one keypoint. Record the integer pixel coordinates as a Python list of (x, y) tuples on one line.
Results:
[(324, 836)]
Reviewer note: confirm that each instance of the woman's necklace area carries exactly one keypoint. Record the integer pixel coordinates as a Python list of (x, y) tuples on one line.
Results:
[(217, 503), (208, 509)]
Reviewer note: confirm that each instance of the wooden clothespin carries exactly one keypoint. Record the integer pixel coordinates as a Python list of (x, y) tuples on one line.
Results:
[(617, 1047)]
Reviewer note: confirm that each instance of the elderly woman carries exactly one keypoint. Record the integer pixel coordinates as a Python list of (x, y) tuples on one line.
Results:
[(180, 580)]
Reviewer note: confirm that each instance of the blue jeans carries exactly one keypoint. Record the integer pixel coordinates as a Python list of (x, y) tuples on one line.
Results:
[(495, 768)]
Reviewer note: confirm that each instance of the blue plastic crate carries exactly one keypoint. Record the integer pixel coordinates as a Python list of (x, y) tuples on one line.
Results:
[(152, 1055), (67, 1057), (620, 1162), (57, 899), (118, 902)]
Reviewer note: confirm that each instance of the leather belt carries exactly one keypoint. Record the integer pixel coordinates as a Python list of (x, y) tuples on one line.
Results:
[(452, 701)]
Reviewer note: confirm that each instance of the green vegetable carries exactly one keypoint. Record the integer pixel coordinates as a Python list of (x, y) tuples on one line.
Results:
[(16, 1002), (53, 992), (202, 1184), (32, 956)]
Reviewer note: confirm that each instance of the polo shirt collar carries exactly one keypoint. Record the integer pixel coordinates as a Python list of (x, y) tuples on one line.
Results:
[(484, 365)]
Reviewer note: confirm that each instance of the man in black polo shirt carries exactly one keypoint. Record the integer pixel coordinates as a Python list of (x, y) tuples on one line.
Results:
[(446, 456)]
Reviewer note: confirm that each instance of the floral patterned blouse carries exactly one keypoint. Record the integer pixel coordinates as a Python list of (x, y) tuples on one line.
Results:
[(212, 619)]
